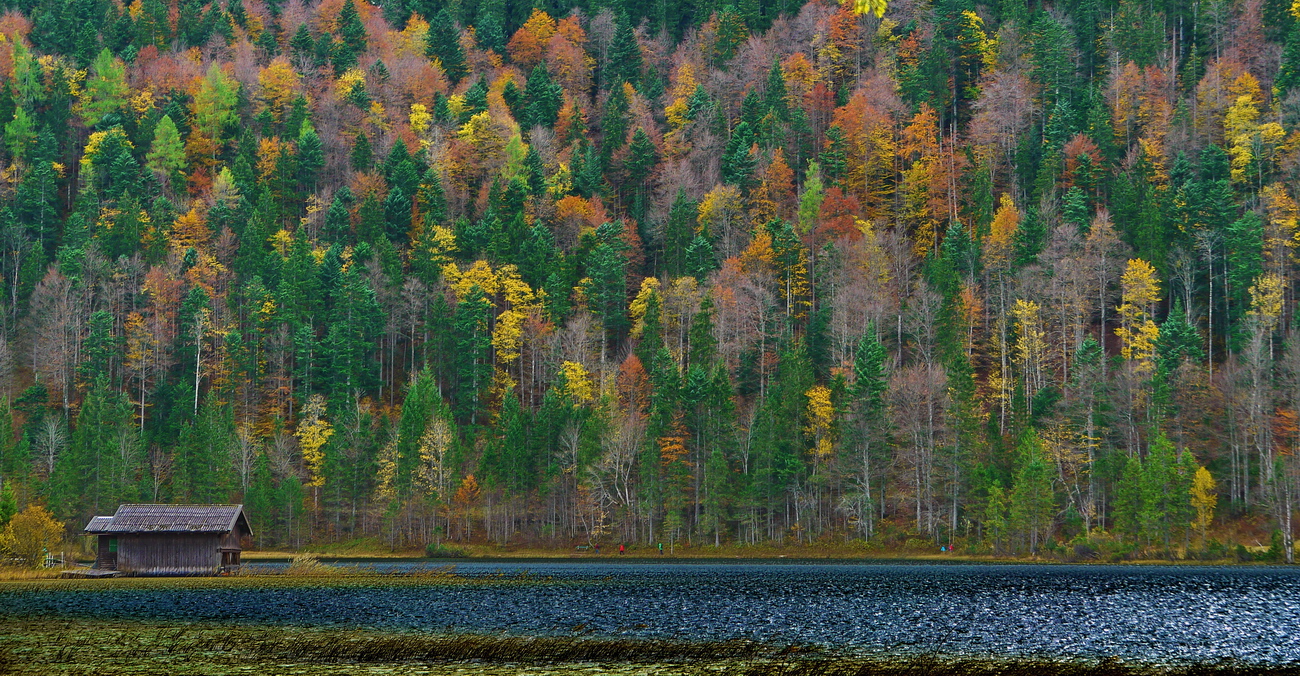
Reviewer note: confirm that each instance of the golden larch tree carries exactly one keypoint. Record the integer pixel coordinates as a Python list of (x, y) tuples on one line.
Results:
[(1204, 497), (1140, 289), (313, 433), (821, 421)]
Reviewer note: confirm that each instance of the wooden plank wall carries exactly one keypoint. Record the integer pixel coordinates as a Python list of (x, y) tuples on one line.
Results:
[(103, 559), (169, 554)]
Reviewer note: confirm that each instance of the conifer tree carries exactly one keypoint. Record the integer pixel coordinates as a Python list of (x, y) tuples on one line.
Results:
[(473, 341), (167, 154), (607, 286), (443, 44), (625, 62), (397, 214), (488, 28), (1031, 500), (362, 156), (311, 158), (352, 39), (433, 197), (106, 90), (738, 159), (614, 121), (542, 98), (679, 231)]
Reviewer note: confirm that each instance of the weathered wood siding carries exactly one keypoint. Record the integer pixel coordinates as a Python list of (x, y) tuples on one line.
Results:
[(169, 554), (230, 541)]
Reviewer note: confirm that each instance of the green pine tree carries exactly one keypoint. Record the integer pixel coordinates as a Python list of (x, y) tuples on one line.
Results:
[(543, 98), (443, 44), (625, 61), (473, 362), (362, 156), (1032, 503)]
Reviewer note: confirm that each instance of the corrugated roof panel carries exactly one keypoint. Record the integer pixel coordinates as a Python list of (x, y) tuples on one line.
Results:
[(168, 519), (98, 524)]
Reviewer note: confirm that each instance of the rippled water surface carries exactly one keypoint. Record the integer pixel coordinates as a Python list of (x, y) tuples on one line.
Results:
[(1144, 613)]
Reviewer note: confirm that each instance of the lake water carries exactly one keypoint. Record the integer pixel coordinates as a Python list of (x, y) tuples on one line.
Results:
[(1158, 614)]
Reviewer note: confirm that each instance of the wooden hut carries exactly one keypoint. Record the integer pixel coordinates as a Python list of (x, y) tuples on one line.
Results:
[(170, 539)]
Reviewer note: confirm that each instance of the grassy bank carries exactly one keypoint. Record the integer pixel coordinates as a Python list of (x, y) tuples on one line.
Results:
[(21, 573), (89, 646), (329, 577)]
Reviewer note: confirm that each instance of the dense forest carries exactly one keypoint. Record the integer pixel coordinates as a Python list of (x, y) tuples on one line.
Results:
[(1002, 275)]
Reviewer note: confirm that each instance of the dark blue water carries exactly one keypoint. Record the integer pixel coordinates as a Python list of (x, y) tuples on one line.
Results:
[(1160, 614)]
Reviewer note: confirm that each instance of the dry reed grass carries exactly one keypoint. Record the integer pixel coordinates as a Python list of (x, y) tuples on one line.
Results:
[(88, 646), (21, 573)]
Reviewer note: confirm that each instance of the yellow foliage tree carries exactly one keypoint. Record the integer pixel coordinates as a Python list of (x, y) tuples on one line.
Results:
[(1240, 124), (1283, 232), (722, 217), (679, 108), (541, 25), (1266, 298), (480, 133), (821, 421), (479, 274), (313, 432), (349, 81), (577, 382), (30, 535), (649, 290), (435, 443), (189, 230), (386, 476), (413, 39), (518, 294), (269, 152), (1031, 344), (440, 244), (96, 141), (508, 336), (861, 7), (720, 207), (1141, 289), (420, 118), (1204, 500), (279, 84), (1000, 244)]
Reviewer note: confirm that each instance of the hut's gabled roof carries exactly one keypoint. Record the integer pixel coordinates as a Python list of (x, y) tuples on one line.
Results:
[(98, 524), (170, 519)]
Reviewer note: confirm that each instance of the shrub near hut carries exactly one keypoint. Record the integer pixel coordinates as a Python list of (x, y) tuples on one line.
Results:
[(30, 535)]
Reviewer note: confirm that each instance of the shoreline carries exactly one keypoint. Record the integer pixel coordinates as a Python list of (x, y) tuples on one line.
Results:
[(480, 553), (757, 560)]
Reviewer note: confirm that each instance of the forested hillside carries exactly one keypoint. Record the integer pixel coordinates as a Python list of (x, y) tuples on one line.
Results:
[(1001, 275)]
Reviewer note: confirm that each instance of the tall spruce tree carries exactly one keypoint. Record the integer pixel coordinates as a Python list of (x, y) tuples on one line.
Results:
[(443, 44)]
